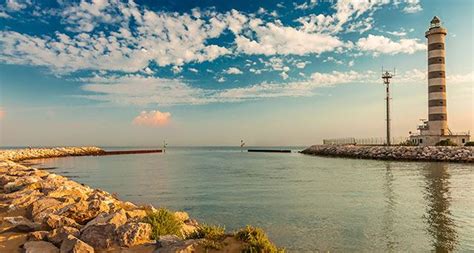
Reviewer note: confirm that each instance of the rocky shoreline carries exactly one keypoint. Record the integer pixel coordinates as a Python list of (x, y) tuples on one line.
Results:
[(403, 153), (48, 213)]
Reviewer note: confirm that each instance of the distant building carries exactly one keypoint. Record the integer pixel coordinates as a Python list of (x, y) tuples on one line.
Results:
[(436, 129)]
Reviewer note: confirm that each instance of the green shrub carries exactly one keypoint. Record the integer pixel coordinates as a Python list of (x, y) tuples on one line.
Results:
[(447, 142), (469, 144), (407, 143), (212, 235), (163, 222), (257, 241)]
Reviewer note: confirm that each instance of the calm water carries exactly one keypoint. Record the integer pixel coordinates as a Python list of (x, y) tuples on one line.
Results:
[(305, 203)]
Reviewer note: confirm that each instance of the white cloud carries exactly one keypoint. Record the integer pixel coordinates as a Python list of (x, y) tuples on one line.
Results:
[(413, 76), (396, 33), (165, 38), (193, 70), (380, 44), (177, 69), (148, 71), (221, 79), (413, 6), (346, 13), (4, 14), (350, 63), (17, 5), (152, 119), (255, 71), (332, 59), (300, 65), (273, 38), (284, 75), (305, 5), (460, 78), (233, 71), (143, 90)]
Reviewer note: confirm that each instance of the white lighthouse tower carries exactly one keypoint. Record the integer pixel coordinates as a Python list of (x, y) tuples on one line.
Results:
[(435, 129)]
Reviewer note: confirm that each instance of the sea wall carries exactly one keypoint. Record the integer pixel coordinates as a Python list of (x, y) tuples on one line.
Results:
[(45, 212), (407, 153), (37, 153)]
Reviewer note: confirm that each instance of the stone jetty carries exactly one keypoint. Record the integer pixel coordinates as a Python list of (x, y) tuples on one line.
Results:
[(42, 212), (405, 153)]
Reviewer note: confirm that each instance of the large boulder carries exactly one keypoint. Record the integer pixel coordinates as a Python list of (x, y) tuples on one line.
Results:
[(19, 183), (41, 208), (59, 234), (79, 192), (73, 245), (84, 211), (100, 232), (38, 236), (173, 244), (22, 224), (137, 214), (57, 221), (134, 233), (40, 247), (54, 182), (5, 179)]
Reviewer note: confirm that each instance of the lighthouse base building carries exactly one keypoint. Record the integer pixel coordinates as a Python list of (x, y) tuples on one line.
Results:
[(435, 129)]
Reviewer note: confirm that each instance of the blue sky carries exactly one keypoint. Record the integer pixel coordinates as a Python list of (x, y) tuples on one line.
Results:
[(109, 72)]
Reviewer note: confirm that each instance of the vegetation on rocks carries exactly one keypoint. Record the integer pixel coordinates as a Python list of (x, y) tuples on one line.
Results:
[(407, 143), (469, 144), (446, 143), (163, 222), (257, 241), (212, 236)]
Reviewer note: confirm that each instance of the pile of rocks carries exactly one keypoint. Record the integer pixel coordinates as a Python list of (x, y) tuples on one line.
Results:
[(61, 215), (37, 153), (412, 153)]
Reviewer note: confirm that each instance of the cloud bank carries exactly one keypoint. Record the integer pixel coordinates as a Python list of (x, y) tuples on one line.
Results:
[(152, 119)]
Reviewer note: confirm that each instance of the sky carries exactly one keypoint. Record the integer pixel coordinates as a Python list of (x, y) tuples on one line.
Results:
[(193, 73)]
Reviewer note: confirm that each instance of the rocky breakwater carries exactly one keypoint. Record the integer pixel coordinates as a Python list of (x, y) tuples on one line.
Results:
[(42, 212), (407, 153), (38, 153)]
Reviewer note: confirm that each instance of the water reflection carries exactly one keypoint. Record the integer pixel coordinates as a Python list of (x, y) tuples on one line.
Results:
[(438, 215), (389, 214)]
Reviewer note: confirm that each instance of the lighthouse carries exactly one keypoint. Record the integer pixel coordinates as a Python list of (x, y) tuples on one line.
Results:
[(437, 113), (436, 129)]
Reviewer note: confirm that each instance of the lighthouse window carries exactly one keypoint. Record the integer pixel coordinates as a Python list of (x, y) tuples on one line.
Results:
[(440, 88), (463, 140), (441, 102), (421, 141), (440, 74), (439, 60)]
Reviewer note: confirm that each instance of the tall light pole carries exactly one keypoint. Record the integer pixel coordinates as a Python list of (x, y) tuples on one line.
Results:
[(386, 80)]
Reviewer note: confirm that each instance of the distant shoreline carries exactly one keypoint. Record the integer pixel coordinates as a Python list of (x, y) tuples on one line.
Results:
[(395, 153)]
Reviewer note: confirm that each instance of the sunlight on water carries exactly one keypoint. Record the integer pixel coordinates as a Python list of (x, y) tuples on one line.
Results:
[(305, 203)]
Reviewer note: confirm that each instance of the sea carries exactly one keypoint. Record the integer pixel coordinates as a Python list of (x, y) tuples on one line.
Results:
[(305, 203)]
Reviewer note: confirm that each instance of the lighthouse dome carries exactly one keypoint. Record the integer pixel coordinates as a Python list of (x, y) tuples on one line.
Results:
[(435, 22)]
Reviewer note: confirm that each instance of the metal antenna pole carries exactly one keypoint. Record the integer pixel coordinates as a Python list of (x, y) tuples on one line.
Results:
[(386, 79), (388, 114)]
